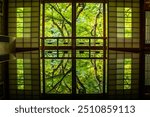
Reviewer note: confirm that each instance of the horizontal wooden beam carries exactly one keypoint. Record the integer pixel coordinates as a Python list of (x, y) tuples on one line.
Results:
[(70, 47), (69, 1)]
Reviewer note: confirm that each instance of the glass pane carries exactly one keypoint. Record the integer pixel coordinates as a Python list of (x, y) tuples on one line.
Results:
[(82, 53), (51, 53), (58, 42), (96, 54), (51, 42), (82, 42), (64, 42), (64, 53), (58, 53), (58, 19), (96, 42), (58, 59), (89, 20), (89, 76), (58, 77), (89, 42)]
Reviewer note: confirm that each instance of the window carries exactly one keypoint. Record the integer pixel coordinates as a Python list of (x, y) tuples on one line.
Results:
[(73, 47)]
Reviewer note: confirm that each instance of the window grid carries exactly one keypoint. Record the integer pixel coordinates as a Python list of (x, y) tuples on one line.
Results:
[(23, 23), (147, 28), (147, 69), (76, 49), (123, 47), (114, 44)]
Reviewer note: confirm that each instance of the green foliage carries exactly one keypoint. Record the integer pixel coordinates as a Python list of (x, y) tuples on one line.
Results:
[(58, 72), (89, 23), (90, 20), (58, 76), (89, 76), (58, 20)]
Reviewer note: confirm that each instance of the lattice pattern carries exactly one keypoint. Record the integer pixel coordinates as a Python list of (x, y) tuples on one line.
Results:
[(71, 38), (147, 70), (147, 27), (124, 37), (24, 72)]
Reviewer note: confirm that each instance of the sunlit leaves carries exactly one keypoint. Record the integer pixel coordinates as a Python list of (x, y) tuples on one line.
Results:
[(90, 74), (89, 23), (58, 20), (58, 76), (90, 20)]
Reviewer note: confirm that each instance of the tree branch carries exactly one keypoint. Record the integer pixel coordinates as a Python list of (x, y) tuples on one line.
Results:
[(95, 24), (80, 83), (55, 86), (61, 31), (67, 86), (61, 15), (80, 11)]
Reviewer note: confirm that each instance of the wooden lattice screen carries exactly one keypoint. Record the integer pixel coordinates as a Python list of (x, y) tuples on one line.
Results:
[(24, 72)]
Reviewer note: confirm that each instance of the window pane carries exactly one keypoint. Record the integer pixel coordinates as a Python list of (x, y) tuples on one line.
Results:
[(89, 76), (89, 20), (89, 42), (88, 49), (58, 19), (58, 42), (58, 77)]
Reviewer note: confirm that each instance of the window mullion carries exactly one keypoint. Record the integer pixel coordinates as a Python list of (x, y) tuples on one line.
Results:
[(73, 47)]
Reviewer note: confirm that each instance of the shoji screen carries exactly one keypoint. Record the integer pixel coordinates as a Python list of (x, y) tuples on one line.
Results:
[(123, 48), (147, 47), (147, 69), (147, 27), (24, 72)]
